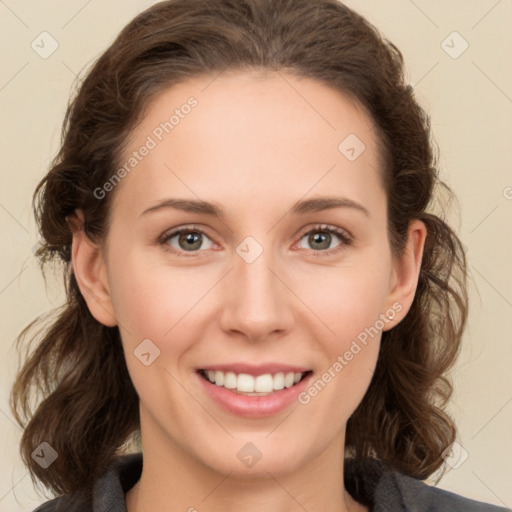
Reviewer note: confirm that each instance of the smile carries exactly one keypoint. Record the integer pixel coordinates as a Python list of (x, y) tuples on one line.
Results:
[(253, 385), (253, 391)]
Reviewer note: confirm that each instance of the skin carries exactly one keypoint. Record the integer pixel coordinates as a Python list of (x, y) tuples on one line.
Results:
[(255, 144)]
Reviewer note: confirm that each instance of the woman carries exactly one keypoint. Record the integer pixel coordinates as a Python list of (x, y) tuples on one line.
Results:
[(257, 286)]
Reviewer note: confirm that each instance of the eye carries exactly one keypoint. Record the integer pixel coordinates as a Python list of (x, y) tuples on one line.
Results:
[(192, 239), (188, 239), (320, 239)]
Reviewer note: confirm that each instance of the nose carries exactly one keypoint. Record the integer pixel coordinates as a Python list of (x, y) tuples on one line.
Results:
[(256, 301)]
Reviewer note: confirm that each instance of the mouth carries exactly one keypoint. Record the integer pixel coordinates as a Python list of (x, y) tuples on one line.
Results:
[(263, 384)]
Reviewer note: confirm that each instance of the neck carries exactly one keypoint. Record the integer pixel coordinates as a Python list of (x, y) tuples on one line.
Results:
[(173, 480)]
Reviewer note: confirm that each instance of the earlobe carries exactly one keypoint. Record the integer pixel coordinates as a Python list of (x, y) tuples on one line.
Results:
[(90, 272), (406, 272)]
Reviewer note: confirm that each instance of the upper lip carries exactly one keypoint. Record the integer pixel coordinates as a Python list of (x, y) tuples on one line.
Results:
[(254, 370)]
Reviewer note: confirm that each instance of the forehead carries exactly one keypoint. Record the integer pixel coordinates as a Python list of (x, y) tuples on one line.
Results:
[(262, 135)]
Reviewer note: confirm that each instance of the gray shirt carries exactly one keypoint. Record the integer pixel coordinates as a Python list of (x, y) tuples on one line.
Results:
[(369, 482)]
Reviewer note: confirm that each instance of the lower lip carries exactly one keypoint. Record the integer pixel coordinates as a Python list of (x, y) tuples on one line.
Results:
[(254, 406)]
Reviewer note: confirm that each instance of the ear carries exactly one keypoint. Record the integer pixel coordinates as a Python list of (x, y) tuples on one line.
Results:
[(405, 274), (90, 272)]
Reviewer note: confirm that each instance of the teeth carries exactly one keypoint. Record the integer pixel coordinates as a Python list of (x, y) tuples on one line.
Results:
[(219, 378), (260, 385), (279, 381), (229, 380), (288, 380)]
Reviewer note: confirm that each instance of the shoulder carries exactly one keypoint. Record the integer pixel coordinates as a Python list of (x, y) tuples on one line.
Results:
[(376, 485), (108, 493), (396, 491)]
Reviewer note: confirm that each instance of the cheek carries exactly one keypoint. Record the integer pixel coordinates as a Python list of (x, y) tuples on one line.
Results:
[(349, 302), (349, 341), (148, 298), (154, 303), (347, 299)]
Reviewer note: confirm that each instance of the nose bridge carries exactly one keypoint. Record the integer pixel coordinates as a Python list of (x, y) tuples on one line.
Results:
[(256, 301), (257, 282)]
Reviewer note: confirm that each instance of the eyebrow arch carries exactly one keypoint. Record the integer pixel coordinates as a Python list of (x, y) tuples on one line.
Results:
[(320, 204), (301, 207)]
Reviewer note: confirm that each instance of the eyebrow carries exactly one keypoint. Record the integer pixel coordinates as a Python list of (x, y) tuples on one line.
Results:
[(301, 207)]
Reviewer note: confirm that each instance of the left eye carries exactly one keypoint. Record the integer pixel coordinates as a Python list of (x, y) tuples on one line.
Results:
[(320, 239)]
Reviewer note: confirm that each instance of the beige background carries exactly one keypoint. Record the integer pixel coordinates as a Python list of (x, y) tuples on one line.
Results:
[(470, 102)]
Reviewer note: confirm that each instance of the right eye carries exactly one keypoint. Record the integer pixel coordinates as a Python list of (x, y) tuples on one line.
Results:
[(185, 240)]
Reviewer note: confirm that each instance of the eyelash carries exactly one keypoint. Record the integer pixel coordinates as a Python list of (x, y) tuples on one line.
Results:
[(345, 238)]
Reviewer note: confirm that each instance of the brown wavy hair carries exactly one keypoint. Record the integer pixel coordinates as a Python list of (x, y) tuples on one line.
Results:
[(74, 391)]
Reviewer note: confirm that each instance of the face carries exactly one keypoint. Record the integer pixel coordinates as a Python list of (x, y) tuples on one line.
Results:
[(286, 271)]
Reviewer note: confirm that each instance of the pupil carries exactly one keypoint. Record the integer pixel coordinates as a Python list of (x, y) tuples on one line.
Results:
[(317, 238), (192, 241)]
